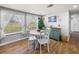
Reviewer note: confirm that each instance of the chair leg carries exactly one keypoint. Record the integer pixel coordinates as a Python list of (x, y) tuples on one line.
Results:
[(35, 45), (48, 47), (40, 48), (28, 44)]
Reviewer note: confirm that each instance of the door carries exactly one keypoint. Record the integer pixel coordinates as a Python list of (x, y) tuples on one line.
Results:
[(75, 23)]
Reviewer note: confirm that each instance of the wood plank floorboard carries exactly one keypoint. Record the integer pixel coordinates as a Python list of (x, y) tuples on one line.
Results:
[(56, 47)]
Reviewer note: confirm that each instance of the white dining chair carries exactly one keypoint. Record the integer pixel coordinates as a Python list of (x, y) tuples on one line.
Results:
[(31, 38), (44, 39)]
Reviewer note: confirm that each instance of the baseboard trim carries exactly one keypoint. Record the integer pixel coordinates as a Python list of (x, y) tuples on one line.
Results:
[(13, 41)]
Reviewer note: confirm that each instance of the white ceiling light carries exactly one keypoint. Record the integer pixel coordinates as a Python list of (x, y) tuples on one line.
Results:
[(75, 6)]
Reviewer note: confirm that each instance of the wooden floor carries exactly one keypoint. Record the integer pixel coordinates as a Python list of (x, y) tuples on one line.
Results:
[(56, 47)]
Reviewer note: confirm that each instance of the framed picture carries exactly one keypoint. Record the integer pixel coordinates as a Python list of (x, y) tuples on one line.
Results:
[(52, 19)]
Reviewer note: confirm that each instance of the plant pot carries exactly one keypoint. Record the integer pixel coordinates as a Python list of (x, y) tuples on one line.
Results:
[(38, 30)]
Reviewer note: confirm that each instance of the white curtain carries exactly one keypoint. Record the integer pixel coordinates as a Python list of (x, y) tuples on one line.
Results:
[(36, 18), (21, 19), (5, 18)]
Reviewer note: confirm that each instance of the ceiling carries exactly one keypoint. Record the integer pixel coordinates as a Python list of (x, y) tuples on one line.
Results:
[(41, 9)]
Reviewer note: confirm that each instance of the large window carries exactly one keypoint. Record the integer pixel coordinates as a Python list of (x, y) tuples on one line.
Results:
[(32, 21), (12, 21), (13, 26)]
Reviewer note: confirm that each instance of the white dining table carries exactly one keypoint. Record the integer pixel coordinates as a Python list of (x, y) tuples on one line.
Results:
[(34, 32)]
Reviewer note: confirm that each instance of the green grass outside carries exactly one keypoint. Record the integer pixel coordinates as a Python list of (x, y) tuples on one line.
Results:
[(12, 27)]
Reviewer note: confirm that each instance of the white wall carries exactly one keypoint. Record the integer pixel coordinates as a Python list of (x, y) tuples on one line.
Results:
[(62, 19)]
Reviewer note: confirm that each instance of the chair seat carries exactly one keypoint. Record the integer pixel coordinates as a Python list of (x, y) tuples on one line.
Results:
[(43, 41), (32, 38)]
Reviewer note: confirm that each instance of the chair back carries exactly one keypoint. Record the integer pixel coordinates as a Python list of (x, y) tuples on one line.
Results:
[(44, 34), (44, 37)]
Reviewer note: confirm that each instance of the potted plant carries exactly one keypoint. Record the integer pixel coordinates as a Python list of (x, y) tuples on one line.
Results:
[(41, 23)]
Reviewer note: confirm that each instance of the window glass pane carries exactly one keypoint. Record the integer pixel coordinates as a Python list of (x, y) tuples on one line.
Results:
[(12, 21), (32, 21), (12, 26)]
